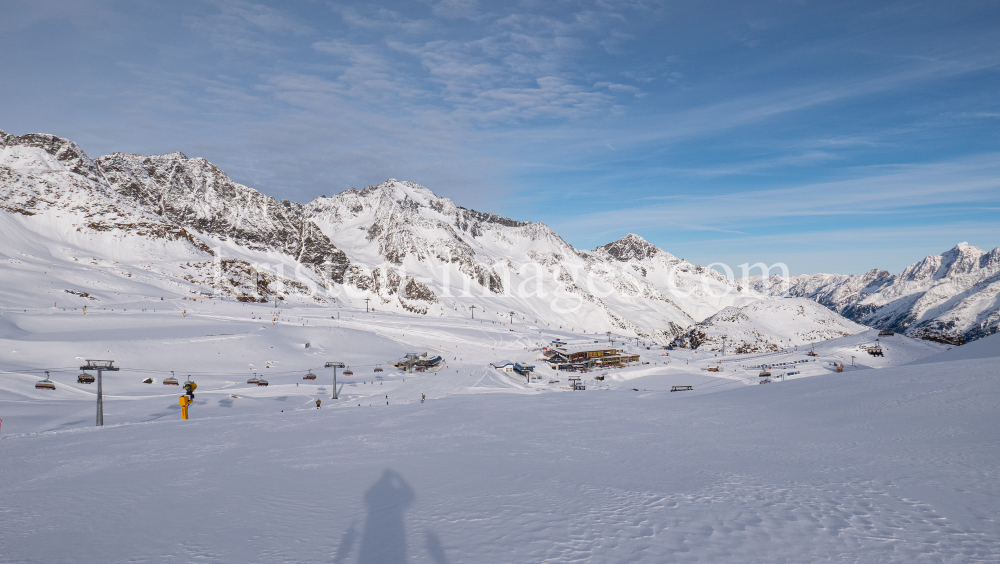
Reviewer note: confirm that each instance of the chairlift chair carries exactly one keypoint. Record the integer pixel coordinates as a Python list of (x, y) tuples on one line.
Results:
[(45, 384), (309, 375), (85, 378), (261, 382), (764, 374), (253, 379), (378, 368), (171, 381), (348, 372)]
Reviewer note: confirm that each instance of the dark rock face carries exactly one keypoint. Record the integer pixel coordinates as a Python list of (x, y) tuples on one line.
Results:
[(68, 153), (630, 247), (197, 194)]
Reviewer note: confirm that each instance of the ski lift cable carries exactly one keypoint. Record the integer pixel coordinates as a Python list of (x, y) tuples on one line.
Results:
[(160, 371)]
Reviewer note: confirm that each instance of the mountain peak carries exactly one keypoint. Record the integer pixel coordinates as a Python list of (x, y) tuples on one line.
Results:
[(69, 155), (960, 259), (630, 247), (963, 248)]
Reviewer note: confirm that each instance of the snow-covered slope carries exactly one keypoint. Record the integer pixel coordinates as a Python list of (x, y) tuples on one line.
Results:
[(952, 296), (820, 466), (896, 465), (768, 325)]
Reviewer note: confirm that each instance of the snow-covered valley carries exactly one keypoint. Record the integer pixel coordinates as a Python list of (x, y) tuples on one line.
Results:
[(861, 447)]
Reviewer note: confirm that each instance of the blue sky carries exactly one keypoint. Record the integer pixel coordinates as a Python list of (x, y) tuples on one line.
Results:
[(832, 136)]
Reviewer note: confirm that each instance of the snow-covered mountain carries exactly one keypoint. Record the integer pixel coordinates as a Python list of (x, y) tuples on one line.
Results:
[(768, 325), (181, 225), (70, 236), (411, 248), (949, 297)]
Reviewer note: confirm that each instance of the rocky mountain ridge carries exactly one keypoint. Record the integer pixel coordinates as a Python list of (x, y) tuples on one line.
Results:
[(398, 246), (396, 243), (952, 297)]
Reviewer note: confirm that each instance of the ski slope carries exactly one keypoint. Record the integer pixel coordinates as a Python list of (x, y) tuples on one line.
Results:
[(893, 465), (886, 462)]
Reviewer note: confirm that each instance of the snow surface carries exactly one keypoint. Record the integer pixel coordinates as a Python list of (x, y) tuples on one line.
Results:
[(896, 464)]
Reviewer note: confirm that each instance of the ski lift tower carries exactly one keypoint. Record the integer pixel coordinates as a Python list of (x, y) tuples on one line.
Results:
[(100, 366), (411, 359), (723, 345), (334, 366)]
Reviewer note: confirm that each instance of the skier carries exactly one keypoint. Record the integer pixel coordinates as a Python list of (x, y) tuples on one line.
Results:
[(318, 401), (423, 397)]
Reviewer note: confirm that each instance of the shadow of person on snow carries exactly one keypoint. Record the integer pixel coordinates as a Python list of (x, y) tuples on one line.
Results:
[(384, 538), (435, 549)]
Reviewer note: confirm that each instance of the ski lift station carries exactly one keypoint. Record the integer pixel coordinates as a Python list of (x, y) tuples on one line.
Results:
[(419, 362), (512, 367), (563, 357)]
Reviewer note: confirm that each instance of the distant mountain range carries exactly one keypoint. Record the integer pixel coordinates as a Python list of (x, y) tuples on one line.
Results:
[(950, 297), (126, 224)]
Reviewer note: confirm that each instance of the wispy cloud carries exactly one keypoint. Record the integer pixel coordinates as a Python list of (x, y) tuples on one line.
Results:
[(663, 117), (246, 26), (882, 191), (524, 66)]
